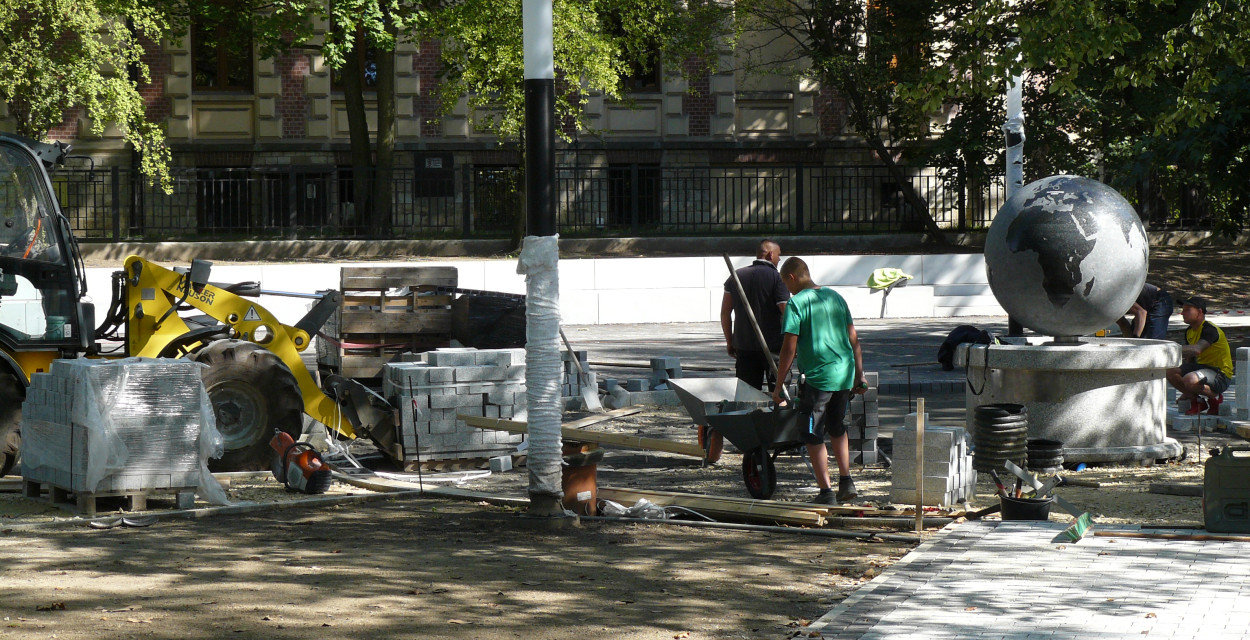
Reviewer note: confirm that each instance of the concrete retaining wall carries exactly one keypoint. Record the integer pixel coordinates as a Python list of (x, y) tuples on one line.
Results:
[(642, 290)]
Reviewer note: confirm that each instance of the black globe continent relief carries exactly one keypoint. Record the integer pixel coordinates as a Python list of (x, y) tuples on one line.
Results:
[(1060, 225)]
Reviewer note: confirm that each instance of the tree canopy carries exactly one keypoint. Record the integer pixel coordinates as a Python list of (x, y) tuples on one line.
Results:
[(1137, 92), (59, 54)]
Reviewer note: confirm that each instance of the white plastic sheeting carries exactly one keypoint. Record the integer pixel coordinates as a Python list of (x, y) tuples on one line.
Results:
[(88, 423), (539, 263)]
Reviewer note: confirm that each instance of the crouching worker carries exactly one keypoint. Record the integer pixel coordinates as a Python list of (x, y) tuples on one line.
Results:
[(817, 328), (1207, 364)]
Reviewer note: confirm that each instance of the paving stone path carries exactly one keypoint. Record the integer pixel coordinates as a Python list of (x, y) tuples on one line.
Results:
[(1010, 580)]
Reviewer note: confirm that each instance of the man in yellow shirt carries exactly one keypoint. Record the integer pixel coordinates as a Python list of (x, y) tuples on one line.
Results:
[(1207, 363)]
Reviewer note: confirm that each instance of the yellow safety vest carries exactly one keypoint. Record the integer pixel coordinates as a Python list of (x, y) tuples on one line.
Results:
[(1216, 356)]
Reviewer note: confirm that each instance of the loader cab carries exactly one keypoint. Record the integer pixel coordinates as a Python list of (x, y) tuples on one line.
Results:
[(41, 275)]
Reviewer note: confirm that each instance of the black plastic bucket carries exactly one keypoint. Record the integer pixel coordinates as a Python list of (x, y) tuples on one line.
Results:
[(1026, 508)]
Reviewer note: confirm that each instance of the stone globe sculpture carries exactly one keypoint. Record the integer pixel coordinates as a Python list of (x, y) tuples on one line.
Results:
[(1066, 256)]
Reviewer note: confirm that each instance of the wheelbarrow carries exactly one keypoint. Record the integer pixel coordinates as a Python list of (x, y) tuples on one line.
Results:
[(708, 396), (761, 435)]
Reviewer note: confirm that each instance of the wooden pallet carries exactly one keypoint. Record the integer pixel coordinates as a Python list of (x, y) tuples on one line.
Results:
[(373, 325), (85, 501)]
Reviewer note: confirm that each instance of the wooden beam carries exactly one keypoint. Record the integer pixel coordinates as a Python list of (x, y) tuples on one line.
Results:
[(631, 364), (1176, 489), (826, 510), (581, 435), (1171, 536), (753, 510)]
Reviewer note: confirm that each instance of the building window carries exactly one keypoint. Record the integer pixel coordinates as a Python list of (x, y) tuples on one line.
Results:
[(645, 74), (221, 52), (366, 63)]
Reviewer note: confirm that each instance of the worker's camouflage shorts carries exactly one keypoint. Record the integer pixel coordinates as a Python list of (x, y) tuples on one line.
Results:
[(824, 412)]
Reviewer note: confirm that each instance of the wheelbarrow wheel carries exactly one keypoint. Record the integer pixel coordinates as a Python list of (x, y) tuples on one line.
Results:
[(713, 443), (759, 473)]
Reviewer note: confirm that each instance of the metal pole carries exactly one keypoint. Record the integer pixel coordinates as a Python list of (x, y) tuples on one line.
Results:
[(920, 465), (1013, 130), (540, 108), (539, 261)]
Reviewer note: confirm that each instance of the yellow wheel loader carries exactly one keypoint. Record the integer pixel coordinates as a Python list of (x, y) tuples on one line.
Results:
[(254, 375)]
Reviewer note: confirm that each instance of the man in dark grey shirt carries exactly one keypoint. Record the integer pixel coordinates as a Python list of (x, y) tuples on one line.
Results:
[(767, 295)]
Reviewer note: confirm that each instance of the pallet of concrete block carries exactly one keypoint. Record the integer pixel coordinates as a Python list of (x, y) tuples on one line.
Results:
[(948, 474), (103, 428), (430, 392), (386, 311), (864, 423)]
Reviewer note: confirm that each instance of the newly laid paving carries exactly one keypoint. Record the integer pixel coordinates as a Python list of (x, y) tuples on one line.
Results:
[(1011, 580)]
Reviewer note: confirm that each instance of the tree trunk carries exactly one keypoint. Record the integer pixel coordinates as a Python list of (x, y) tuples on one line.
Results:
[(358, 134), (380, 222), (910, 196), (867, 128)]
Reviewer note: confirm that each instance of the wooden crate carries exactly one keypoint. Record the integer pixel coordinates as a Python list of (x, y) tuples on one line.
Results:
[(375, 322)]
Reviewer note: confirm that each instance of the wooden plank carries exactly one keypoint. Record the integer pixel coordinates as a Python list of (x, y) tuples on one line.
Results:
[(393, 304), (581, 435), (631, 364), (601, 417), (822, 509), (433, 321), (1171, 536), (379, 278), (754, 510), (1176, 489)]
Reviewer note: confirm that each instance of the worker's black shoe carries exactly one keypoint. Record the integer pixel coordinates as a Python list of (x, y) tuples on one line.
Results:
[(846, 490), (825, 497)]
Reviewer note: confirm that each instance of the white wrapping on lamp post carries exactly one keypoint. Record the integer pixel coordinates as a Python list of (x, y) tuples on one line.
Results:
[(1013, 131), (539, 263)]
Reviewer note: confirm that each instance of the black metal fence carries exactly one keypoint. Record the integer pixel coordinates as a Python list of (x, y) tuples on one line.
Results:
[(468, 201)]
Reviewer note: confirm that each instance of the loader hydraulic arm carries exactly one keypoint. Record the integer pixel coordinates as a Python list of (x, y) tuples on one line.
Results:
[(153, 294)]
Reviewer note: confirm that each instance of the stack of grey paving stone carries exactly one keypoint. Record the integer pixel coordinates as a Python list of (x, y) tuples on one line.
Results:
[(571, 383), (115, 425), (948, 474), (663, 369), (1241, 384), (431, 391), (865, 422)]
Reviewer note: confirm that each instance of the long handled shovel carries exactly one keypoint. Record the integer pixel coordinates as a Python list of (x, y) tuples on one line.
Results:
[(590, 388), (759, 335)]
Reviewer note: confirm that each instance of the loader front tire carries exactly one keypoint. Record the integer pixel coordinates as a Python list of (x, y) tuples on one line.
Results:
[(11, 397), (253, 393)]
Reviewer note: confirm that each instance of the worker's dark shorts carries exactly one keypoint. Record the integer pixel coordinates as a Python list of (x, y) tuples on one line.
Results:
[(1213, 377), (752, 368), (824, 412)]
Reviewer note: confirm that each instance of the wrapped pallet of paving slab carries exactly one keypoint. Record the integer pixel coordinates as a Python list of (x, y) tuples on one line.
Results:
[(431, 391), (948, 474), (118, 426)]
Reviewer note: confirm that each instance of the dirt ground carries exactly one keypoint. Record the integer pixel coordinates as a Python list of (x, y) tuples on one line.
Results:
[(412, 567)]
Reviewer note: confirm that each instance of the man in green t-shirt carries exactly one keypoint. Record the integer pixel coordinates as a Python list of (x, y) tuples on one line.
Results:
[(817, 327)]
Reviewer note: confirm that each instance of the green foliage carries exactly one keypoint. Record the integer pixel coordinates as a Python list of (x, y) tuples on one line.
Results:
[(59, 54), (1131, 91), (595, 40)]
